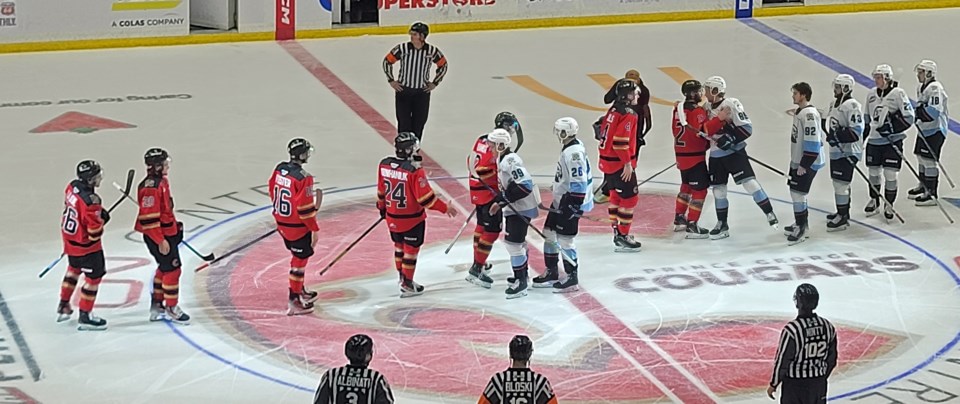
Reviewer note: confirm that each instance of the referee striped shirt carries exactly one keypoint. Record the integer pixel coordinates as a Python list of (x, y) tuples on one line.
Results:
[(518, 385), (353, 385), (415, 64), (807, 349)]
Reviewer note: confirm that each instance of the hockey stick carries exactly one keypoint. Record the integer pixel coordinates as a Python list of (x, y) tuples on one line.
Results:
[(130, 175), (936, 158), (235, 250), (915, 174), (349, 247), (208, 257), (875, 189), (765, 165), (460, 232)]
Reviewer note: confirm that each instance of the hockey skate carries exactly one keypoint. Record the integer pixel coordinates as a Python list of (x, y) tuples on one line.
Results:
[(916, 192), (797, 235), (599, 197), (548, 279), (308, 296), (296, 307), (518, 287), (888, 212), (90, 322), (679, 223), (625, 243), (926, 200), (720, 231), (838, 223), (176, 315), (64, 312), (694, 231), (571, 284), (832, 215), (409, 288), (772, 220), (157, 312), (873, 207), (479, 277)]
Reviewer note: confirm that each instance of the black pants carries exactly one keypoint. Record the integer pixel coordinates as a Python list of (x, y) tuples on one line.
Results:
[(804, 391), (413, 106)]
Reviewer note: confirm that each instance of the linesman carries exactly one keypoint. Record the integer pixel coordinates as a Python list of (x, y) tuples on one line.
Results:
[(807, 353), (354, 383), (519, 383), (414, 86)]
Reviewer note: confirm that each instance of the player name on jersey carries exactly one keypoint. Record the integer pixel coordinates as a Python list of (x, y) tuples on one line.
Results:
[(354, 381), (518, 387), (393, 174)]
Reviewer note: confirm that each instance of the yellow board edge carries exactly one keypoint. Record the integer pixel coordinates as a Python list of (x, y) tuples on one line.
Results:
[(145, 5), (196, 39)]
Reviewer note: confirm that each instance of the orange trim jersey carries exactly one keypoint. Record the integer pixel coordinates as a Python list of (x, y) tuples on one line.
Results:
[(405, 193), (485, 165), (688, 145), (619, 140), (156, 219), (294, 203), (518, 385), (81, 225)]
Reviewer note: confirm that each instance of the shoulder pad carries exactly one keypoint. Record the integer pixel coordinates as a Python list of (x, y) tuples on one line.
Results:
[(292, 170), (149, 182), (88, 196)]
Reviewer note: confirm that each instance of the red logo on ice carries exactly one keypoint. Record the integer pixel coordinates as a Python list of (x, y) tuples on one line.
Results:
[(79, 122)]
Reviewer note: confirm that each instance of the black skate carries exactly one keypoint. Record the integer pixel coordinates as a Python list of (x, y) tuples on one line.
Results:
[(518, 287), (832, 215), (679, 223), (478, 276), (409, 288), (625, 243), (694, 231), (64, 312), (176, 315), (888, 212), (308, 296), (720, 231), (297, 307), (571, 284), (926, 200), (772, 220), (872, 208), (548, 279), (798, 235), (838, 223), (90, 322), (916, 192)]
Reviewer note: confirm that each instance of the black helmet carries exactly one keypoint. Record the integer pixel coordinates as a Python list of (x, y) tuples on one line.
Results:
[(806, 297), (421, 28), (690, 86), (298, 146), (505, 120), (357, 348), (155, 157), (405, 144), (87, 169), (521, 348), (625, 87)]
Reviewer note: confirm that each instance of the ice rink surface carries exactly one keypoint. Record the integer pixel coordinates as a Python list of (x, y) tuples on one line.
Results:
[(693, 321)]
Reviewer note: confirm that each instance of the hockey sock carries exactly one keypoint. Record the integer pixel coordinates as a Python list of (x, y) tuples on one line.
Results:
[(171, 288), (551, 255), (88, 294), (519, 271), (875, 185), (69, 283), (569, 267), (296, 282), (890, 184), (801, 217), (759, 195), (721, 202), (398, 256), (841, 195), (613, 206), (931, 176), (157, 296), (481, 250), (683, 199), (696, 205), (409, 264), (625, 214)]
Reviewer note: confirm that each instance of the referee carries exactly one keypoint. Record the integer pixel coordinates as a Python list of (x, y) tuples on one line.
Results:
[(807, 353), (356, 382), (414, 85)]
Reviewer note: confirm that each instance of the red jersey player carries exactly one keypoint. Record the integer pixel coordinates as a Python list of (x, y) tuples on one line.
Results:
[(403, 195), (295, 210), (81, 228), (162, 234), (484, 163), (618, 140), (691, 148)]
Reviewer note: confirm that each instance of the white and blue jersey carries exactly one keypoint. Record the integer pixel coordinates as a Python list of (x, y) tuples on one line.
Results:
[(574, 175), (845, 125), (888, 116), (806, 139), (516, 182), (740, 122), (932, 111)]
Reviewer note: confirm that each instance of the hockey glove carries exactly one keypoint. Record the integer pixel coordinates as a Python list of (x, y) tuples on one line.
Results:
[(104, 215), (726, 141), (570, 207), (832, 139), (922, 114), (886, 129), (596, 129)]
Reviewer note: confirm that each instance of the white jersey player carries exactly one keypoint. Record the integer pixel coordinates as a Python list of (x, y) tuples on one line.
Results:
[(844, 126), (932, 117), (807, 157), (888, 115), (519, 200), (728, 128), (572, 196)]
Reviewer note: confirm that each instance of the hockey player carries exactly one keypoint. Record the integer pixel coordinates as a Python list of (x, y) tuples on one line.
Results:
[(518, 384), (81, 228), (617, 141), (355, 382), (483, 180), (572, 196), (888, 115), (295, 211), (933, 115), (640, 105), (518, 201), (162, 234), (806, 158), (690, 148), (403, 195), (728, 128), (844, 134)]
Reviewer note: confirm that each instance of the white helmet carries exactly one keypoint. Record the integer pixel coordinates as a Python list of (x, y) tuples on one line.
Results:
[(885, 70), (565, 128), (928, 66), (501, 138), (843, 84), (715, 82)]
